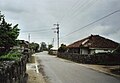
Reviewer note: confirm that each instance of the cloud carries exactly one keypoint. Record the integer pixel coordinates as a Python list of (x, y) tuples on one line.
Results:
[(11, 6), (34, 15)]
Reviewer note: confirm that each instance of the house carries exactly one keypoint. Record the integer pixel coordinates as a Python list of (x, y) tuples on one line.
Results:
[(92, 44), (22, 45)]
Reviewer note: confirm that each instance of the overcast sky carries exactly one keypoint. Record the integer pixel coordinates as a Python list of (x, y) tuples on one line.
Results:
[(36, 17)]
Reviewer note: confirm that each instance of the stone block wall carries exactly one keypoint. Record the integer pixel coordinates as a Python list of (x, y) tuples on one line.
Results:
[(13, 71), (100, 58)]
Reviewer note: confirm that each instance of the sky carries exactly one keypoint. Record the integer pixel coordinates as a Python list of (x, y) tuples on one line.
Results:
[(37, 18)]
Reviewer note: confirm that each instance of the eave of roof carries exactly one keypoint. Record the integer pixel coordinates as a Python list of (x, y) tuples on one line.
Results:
[(94, 41)]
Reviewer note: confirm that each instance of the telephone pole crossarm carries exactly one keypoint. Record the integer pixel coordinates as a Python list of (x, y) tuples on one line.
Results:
[(57, 33)]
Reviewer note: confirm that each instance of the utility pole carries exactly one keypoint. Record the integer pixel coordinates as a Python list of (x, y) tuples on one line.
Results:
[(57, 27), (53, 42), (29, 37)]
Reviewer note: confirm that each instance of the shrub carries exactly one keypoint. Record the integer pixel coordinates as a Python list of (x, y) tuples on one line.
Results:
[(12, 55)]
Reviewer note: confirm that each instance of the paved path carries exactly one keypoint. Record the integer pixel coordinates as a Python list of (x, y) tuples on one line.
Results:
[(63, 71)]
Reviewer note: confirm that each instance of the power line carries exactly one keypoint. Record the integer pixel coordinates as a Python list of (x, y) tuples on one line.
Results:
[(92, 23), (36, 30), (70, 9), (85, 6), (74, 8), (78, 7)]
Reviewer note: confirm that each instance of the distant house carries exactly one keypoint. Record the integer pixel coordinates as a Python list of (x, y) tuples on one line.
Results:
[(22, 45), (92, 44)]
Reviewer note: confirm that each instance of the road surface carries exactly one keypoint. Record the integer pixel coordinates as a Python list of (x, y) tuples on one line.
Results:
[(62, 71)]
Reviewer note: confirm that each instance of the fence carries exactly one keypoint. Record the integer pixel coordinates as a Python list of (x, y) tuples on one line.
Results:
[(100, 58)]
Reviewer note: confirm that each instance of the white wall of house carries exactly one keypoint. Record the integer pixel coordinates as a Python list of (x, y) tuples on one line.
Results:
[(83, 51), (100, 51), (92, 51)]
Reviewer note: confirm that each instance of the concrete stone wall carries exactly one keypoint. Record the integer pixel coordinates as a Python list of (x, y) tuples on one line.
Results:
[(100, 58), (12, 71)]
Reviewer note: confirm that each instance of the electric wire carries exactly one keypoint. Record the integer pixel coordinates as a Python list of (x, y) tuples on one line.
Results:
[(84, 7), (76, 4), (91, 23), (39, 30), (36, 30)]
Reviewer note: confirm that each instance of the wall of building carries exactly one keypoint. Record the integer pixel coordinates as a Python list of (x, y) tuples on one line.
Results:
[(92, 51), (73, 50), (101, 51), (89, 51), (84, 51), (101, 58)]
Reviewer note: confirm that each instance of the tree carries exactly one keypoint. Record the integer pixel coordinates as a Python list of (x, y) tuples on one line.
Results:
[(50, 46), (43, 46), (62, 48), (34, 46), (8, 34)]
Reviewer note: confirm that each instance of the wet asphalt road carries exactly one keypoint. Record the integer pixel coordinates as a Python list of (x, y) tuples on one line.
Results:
[(62, 71)]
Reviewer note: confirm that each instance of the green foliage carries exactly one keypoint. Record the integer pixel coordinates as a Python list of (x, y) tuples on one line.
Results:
[(8, 34), (62, 48), (12, 55), (34, 46), (50, 46), (43, 46)]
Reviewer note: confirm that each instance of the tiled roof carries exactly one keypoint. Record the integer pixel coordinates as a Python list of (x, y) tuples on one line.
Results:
[(23, 42), (94, 41)]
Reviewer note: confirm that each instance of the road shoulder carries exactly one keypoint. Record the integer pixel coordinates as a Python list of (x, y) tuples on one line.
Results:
[(100, 68), (103, 69), (33, 75)]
